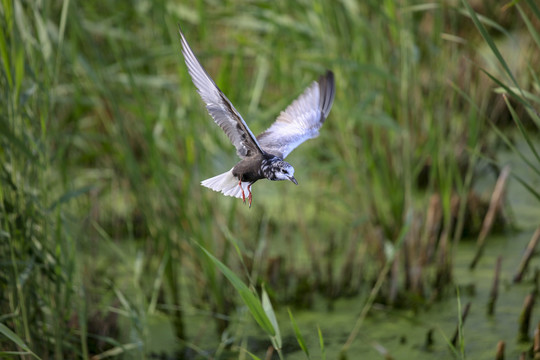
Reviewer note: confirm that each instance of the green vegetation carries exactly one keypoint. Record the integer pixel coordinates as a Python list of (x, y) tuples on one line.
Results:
[(109, 247)]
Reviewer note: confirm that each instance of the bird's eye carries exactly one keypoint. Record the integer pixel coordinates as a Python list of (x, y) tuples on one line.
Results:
[(284, 171)]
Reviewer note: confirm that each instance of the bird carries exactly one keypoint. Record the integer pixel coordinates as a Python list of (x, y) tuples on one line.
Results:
[(262, 157)]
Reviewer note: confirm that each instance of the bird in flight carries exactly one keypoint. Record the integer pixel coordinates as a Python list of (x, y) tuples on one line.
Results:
[(262, 157)]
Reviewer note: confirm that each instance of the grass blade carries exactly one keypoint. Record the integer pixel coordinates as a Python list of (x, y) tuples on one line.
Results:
[(531, 189), (521, 128), (515, 150), (521, 99), (250, 300), (489, 41), (534, 8), (4, 330), (70, 195), (530, 26), (5, 59), (298, 335), (253, 356), (321, 342), (269, 310)]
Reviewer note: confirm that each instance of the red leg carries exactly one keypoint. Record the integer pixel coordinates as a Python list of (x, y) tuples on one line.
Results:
[(243, 195), (250, 197)]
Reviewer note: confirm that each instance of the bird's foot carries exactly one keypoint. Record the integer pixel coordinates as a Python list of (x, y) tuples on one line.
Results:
[(250, 196), (243, 194)]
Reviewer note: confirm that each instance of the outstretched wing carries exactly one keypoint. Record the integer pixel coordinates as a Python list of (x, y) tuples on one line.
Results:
[(219, 107), (301, 120)]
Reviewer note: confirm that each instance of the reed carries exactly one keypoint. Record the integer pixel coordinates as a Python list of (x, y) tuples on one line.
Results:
[(104, 140)]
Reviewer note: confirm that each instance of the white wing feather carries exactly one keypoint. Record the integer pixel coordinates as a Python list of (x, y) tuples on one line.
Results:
[(301, 120)]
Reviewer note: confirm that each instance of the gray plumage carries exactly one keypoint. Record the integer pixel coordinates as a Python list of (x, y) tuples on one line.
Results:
[(219, 107)]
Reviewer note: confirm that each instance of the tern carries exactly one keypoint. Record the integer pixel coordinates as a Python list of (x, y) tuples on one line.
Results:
[(262, 157)]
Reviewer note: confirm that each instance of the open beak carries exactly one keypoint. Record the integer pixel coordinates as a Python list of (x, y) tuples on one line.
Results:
[(293, 180)]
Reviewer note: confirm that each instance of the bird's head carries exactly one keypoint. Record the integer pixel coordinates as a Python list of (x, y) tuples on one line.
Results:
[(282, 170)]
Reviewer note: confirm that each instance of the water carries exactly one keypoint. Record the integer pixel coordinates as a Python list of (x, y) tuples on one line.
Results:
[(401, 334)]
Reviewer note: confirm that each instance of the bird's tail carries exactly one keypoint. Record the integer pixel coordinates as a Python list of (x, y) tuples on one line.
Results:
[(226, 183)]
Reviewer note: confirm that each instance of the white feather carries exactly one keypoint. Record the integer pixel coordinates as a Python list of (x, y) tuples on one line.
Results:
[(301, 120), (227, 184)]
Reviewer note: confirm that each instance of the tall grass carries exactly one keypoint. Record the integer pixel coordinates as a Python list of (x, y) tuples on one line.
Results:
[(515, 92), (104, 141), (39, 240)]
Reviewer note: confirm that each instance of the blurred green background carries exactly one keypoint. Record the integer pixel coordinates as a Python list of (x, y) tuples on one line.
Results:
[(109, 245)]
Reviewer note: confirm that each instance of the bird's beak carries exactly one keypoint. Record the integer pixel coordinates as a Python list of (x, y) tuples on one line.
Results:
[(293, 180)]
